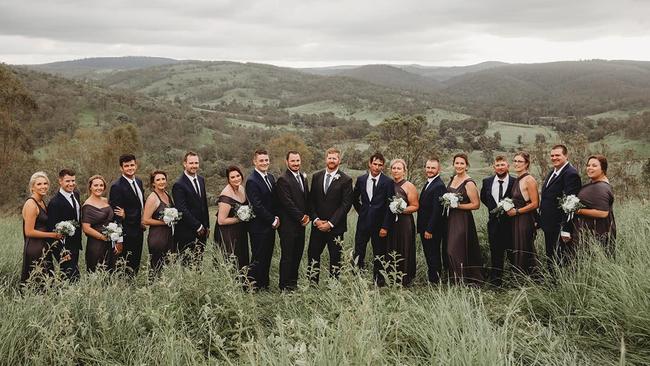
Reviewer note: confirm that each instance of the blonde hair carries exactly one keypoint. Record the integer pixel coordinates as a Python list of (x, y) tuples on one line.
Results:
[(400, 161), (35, 176), (333, 150)]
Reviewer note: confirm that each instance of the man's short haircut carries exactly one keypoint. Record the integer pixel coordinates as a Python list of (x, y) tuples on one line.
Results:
[(333, 150), (188, 154), (434, 158), (377, 156), (259, 152), (292, 152), (65, 172), (565, 151), (500, 158), (125, 158)]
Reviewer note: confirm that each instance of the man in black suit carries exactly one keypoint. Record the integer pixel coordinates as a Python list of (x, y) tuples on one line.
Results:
[(563, 180), (494, 189), (64, 206), (331, 199), (431, 222), (260, 192), (127, 193), (370, 199), (191, 201), (293, 210)]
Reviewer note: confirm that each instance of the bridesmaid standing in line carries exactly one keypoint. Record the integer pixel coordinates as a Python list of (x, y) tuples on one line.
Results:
[(160, 238), (231, 234), (36, 252), (462, 241), (95, 214), (525, 197), (401, 237)]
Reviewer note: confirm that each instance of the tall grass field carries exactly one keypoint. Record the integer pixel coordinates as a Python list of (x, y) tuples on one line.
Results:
[(595, 313)]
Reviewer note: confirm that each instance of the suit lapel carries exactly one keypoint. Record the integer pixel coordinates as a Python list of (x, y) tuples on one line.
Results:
[(130, 188)]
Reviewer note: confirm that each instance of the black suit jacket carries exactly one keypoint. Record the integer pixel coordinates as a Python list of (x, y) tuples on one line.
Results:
[(567, 183), (293, 203), (430, 217), (262, 201), (487, 198), (122, 195), (59, 209), (373, 215), (194, 208), (334, 205)]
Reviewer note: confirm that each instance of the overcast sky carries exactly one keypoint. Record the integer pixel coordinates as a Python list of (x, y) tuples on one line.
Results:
[(320, 33)]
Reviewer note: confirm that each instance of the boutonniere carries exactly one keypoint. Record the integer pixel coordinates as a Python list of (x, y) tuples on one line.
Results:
[(304, 176), (337, 176)]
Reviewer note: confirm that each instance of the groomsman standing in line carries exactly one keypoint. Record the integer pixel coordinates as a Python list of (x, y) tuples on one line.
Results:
[(370, 199), (494, 189), (64, 206), (431, 222), (260, 191), (293, 210), (127, 193), (563, 180), (331, 199), (191, 201)]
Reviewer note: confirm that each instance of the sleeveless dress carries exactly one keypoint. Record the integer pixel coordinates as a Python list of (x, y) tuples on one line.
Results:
[(160, 239), (462, 241), (233, 239), (524, 257), (599, 196), (98, 252), (401, 239), (36, 250)]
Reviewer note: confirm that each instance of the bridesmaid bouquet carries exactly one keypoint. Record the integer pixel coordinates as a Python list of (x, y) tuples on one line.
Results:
[(113, 231), (67, 229), (244, 212), (450, 200), (570, 204), (170, 216), (503, 206), (397, 205)]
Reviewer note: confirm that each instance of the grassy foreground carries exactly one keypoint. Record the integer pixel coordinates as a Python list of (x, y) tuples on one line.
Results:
[(596, 314)]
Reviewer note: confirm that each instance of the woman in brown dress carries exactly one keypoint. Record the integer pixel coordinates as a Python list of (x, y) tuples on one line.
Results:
[(525, 197), (401, 236), (462, 241), (597, 218), (160, 238), (95, 214), (37, 258), (230, 233)]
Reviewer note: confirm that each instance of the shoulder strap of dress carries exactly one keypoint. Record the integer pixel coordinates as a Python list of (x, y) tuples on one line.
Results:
[(523, 176), (37, 205)]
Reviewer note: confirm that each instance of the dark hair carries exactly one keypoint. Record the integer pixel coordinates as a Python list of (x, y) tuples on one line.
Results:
[(526, 157), (260, 152), (233, 168), (125, 158), (97, 176), (291, 152), (601, 159), (152, 177), (377, 156), (65, 172), (463, 156), (500, 158), (565, 151), (188, 154)]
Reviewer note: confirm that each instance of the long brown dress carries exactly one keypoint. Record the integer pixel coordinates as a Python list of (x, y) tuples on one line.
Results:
[(233, 239), (599, 196), (462, 241), (98, 252), (401, 239), (36, 250), (524, 257), (160, 239)]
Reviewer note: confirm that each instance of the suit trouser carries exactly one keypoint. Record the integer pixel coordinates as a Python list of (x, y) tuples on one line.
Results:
[(500, 239), (132, 252), (261, 253), (435, 255), (557, 252), (379, 248), (318, 240), (292, 245)]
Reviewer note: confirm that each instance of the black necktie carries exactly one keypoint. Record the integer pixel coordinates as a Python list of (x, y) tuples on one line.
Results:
[(196, 186), (268, 182), (74, 205), (425, 186), (551, 179), (302, 188), (374, 185), (135, 190), (328, 180), (500, 190)]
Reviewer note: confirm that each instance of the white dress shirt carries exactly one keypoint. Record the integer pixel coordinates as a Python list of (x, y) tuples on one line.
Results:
[(369, 184), (495, 186), (70, 196)]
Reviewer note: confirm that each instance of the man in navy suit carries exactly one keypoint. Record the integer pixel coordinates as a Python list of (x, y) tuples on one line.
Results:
[(260, 192), (191, 201), (370, 197), (331, 200), (64, 206), (494, 189), (431, 221), (127, 194), (563, 180), (293, 210)]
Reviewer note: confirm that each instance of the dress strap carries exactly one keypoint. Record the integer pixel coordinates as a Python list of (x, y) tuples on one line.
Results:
[(523, 176), (38, 205)]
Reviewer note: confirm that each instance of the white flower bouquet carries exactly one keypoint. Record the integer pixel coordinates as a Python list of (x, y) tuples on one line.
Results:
[(397, 205), (503, 206), (450, 200), (570, 204), (67, 229), (244, 212), (170, 216), (113, 231)]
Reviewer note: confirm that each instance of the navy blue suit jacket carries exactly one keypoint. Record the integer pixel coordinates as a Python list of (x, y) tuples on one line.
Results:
[(373, 214), (122, 195), (334, 205), (59, 209), (567, 183), (194, 208), (262, 201), (430, 217), (487, 198)]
